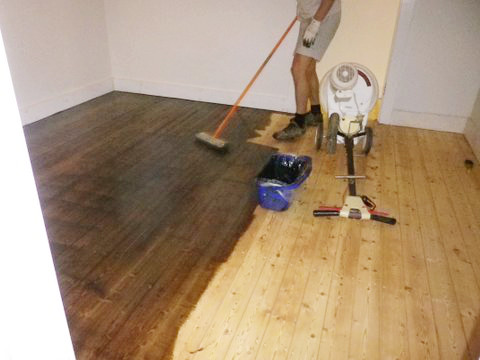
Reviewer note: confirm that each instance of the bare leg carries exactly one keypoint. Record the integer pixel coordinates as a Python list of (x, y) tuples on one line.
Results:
[(302, 72), (313, 83)]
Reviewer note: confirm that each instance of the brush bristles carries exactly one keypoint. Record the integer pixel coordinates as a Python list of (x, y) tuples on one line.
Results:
[(211, 141)]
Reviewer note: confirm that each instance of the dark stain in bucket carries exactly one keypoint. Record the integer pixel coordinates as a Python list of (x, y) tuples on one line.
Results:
[(139, 215)]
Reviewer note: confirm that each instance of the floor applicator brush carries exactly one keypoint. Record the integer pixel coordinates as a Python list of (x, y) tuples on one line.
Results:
[(214, 141)]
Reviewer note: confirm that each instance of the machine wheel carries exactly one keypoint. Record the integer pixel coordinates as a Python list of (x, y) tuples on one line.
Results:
[(368, 140), (333, 123), (319, 136)]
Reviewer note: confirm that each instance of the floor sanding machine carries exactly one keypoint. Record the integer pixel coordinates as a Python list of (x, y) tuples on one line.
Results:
[(349, 92)]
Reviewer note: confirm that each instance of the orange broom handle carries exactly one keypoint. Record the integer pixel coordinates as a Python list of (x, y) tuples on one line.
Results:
[(232, 111)]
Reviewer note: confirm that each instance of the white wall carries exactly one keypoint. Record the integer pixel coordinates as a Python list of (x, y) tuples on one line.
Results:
[(33, 323), (439, 77), (57, 51), (205, 50), (209, 50)]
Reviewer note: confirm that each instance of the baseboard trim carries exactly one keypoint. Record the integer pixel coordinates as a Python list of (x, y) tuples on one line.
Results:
[(211, 95), (428, 121), (50, 106)]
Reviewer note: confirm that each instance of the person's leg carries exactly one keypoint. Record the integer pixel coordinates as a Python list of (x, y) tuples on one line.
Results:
[(306, 80), (314, 117), (307, 87), (301, 66), (302, 71), (313, 83)]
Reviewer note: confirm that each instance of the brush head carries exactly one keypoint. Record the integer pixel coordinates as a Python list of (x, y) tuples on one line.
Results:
[(212, 142)]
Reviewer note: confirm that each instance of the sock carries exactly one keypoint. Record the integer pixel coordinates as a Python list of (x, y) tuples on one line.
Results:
[(300, 119), (315, 109)]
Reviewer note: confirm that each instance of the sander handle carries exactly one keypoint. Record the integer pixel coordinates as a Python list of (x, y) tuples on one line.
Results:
[(326, 212), (384, 219)]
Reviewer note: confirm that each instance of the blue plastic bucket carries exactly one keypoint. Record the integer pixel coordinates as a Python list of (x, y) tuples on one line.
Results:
[(279, 178)]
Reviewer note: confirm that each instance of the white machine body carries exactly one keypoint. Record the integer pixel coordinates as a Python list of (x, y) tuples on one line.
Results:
[(350, 90)]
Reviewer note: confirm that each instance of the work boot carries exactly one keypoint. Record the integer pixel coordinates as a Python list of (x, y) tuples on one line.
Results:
[(312, 119), (291, 131)]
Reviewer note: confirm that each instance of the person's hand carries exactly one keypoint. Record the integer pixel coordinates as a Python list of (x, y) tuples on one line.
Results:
[(311, 33)]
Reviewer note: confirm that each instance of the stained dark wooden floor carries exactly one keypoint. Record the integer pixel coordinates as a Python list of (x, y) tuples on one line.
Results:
[(138, 215)]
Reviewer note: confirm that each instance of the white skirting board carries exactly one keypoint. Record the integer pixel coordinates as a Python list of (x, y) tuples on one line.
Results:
[(428, 121), (472, 133), (219, 96), (54, 104)]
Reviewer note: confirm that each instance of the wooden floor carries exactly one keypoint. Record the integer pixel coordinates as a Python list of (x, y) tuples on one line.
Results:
[(153, 268), (139, 216)]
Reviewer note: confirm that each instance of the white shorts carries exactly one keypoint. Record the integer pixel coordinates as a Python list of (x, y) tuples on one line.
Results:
[(327, 31)]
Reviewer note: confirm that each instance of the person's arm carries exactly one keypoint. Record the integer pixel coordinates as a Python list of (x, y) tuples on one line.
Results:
[(312, 29)]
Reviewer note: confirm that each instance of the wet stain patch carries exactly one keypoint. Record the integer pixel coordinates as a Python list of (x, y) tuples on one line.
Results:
[(139, 215)]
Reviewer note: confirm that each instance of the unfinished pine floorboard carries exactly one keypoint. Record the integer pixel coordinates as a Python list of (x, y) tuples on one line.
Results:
[(364, 290), (162, 252), (422, 337), (393, 322)]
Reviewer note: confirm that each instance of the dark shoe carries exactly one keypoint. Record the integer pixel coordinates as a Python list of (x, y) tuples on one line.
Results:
[(292, 131), (312, 119)]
